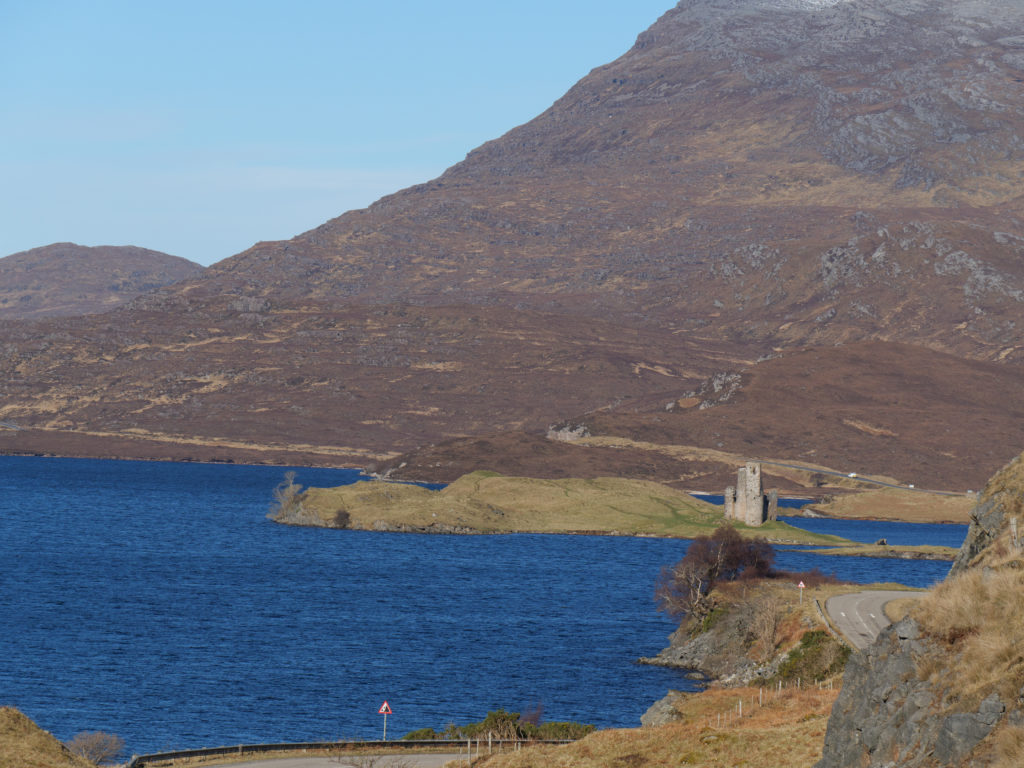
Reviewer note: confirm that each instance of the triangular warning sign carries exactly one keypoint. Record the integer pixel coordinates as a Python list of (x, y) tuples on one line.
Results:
[(384, 709)]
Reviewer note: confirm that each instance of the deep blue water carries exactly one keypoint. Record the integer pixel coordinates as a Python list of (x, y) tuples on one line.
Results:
[(868, 531), (156, 601)]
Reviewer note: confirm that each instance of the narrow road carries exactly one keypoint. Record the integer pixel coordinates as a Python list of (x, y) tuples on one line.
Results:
[(859, 478), (356, 761), (861, 616)]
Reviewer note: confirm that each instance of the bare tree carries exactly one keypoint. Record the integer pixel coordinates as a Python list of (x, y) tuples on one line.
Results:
[(723, 556), (287, 506), (97, 746)]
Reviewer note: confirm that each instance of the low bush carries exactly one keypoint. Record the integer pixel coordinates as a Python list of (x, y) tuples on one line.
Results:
[(818, 657), (502, 724)]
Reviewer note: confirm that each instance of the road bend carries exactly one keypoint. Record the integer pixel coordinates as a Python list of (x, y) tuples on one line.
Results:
[(861, 616)]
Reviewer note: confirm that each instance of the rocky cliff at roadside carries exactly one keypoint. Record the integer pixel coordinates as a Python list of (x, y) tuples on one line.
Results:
[(945, 686)]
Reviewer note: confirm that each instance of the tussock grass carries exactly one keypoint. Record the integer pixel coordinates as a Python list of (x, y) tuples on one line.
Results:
[(976, 616), (23, 744), (789, 730), (1009, 747), (491, 503)]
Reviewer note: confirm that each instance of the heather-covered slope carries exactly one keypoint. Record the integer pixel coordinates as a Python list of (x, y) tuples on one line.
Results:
[(752, 177), (68, 279)]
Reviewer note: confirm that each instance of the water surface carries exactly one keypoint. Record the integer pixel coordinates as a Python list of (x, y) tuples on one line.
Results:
[(156, 601)]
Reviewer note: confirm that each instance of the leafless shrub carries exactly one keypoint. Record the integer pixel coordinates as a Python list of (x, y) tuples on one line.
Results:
[(287, 506), (765, 625), (97, 746), (723, 556)]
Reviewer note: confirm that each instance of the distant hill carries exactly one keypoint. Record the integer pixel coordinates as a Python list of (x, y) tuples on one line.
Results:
[(65, 279), (751, 179)]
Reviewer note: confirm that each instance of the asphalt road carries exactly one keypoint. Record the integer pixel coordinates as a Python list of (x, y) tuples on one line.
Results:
[(859, 478), (356, 761), (861, 616)]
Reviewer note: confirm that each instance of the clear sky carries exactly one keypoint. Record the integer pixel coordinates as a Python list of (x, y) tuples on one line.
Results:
[(200, 128)]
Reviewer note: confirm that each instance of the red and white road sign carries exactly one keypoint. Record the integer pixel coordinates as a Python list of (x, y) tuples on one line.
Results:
[(801, 585), (385, 709)]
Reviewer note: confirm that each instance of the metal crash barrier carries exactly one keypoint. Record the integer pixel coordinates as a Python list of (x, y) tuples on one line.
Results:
[(156, 759)]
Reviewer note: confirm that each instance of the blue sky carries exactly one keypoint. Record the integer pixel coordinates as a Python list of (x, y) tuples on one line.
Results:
[(200, 128)]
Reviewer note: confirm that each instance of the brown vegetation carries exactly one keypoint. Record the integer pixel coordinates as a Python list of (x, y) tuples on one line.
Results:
[(786, 731), (23, 744), (719, 240), (96, 746), (977, 617), (65, 279)]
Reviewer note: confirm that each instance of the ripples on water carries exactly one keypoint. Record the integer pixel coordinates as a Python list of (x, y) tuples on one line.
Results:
[(155, 601)]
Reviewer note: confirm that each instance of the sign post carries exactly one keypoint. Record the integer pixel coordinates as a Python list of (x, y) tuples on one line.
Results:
[(801, 585), (385, 710)]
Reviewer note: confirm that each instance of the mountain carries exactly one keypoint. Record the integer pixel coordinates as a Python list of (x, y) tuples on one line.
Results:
[(752, 178), (68, 279)]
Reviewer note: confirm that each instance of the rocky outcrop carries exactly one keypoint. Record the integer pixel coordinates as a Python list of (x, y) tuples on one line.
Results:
[(662, 712), (887, 716), (987, 519), (945, 686)]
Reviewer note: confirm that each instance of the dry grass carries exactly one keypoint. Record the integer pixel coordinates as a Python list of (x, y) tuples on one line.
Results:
[(1009, 747), (787, 731), (23, 744), (489, 502), (896, 504), (976, 616), (897, 610), (898, 551)]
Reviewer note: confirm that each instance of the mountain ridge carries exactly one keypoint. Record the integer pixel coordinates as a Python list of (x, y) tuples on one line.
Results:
[(750, 178)]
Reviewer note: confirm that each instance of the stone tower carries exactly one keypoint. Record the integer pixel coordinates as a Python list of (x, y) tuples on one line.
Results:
[(747, 502), (753, 496)]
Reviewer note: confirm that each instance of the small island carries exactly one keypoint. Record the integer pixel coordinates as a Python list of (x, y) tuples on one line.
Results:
[(488, 502)]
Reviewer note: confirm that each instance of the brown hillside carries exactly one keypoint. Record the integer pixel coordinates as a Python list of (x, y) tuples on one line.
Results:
[(67, 279), (23, 744), (751, 178)]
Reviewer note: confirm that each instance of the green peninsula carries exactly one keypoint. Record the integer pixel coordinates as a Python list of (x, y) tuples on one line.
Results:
[(487, 502)]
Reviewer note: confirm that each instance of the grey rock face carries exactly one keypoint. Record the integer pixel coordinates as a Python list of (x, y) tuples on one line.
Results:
[(986, 522), (885, 716), (960, 733), (661, 712)]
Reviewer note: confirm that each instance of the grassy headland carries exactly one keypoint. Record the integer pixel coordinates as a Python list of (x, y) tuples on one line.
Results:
[(487, 502), (909, 506), (894, 551)]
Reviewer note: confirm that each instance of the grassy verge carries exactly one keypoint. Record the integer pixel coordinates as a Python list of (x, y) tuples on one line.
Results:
[(787, 730), (486, 502)]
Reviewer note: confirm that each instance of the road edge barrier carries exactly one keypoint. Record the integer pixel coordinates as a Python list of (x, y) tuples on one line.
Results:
[(140, 761)]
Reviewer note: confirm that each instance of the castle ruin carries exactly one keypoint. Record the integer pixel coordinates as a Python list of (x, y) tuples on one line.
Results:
[(747, 502)]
